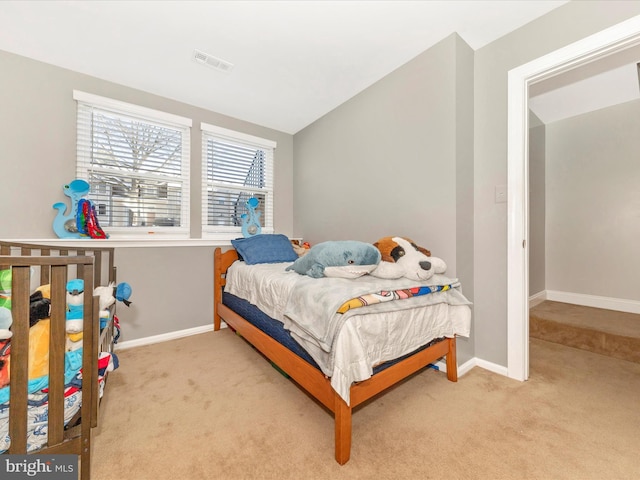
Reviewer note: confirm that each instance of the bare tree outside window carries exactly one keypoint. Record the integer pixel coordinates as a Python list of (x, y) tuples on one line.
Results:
[(135, 172), (136, 161), (236, 167)]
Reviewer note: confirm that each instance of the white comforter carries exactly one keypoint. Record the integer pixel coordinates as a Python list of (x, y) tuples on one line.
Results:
[(349, 345)]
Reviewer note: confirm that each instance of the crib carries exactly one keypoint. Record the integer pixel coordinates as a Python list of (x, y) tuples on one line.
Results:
[(70, 417)]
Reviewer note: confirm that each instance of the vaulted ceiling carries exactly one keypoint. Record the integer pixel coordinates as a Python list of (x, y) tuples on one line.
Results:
[(291, 61)]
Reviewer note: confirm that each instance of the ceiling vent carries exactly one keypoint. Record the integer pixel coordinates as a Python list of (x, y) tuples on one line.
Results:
[(211, 61)]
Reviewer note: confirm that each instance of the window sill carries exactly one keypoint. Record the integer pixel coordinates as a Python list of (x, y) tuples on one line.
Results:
[(124, 242)]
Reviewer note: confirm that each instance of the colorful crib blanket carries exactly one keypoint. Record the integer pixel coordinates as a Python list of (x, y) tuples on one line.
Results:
[(38, 411)]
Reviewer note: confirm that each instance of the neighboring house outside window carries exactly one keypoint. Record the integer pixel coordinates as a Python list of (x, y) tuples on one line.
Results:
[(236, 167), (136, 161)]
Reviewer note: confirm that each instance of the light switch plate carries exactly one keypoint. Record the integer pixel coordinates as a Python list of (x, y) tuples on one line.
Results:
[(501, 193)]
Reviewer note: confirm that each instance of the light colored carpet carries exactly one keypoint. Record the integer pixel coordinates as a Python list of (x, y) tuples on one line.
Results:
[(608, 332), (210, 407)]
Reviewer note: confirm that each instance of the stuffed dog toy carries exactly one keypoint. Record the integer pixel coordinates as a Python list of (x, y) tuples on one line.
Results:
[(401, 257)]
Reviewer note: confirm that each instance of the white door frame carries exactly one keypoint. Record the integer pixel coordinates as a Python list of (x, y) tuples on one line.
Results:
[(601, 44)]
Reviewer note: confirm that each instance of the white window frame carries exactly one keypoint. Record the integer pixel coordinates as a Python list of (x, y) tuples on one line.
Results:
[(222, 232), (155, 117)]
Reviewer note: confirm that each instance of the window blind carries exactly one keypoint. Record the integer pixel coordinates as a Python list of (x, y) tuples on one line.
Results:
[(137, 163), (235, 168)]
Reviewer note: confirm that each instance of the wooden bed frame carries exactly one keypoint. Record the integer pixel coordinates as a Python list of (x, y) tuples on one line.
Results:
[(57, 265), (312, 379)]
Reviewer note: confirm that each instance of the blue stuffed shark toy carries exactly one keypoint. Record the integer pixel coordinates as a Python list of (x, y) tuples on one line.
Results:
[(343, 258)]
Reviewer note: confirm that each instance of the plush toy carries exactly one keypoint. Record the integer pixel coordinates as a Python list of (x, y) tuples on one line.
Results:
[(401, 257), (39, 307), (75, 305), (346, 259), (39, 333), (108, 295), (39, 336), (5, 323), (74, 341), (5, 304), (5, 348), (123, 293), (6, 320), (301, 248)]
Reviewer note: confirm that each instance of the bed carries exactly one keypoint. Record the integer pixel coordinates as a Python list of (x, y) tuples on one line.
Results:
[(305, 363), (53, 414)]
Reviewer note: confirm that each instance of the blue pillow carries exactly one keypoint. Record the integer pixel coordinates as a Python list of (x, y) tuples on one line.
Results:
[(265, 248)]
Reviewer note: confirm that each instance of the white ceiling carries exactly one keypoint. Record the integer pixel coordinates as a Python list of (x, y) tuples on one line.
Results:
[(294, 61), (608, 81)]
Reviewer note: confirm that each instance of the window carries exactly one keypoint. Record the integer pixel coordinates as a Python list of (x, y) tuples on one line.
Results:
[(235, 168), (137, 163)]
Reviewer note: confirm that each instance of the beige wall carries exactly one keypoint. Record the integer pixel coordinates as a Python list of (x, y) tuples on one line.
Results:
[(38, 138), (396, 159), (391, 158), (464, 171), (565, 25), (593, 203), (172, 287), (383, 163), (537, 233)]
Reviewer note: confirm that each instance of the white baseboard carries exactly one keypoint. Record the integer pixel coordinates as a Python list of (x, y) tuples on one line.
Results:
[(476, 362), (621, 305), (164, 337), (609, 303), (469, 364), (537, 298), (442, 366), (492, 367)]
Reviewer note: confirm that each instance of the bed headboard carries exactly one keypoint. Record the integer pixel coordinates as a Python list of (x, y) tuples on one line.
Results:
[(221, 262)]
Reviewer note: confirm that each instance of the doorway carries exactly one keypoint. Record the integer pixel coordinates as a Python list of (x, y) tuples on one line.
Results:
[(612, 40)]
